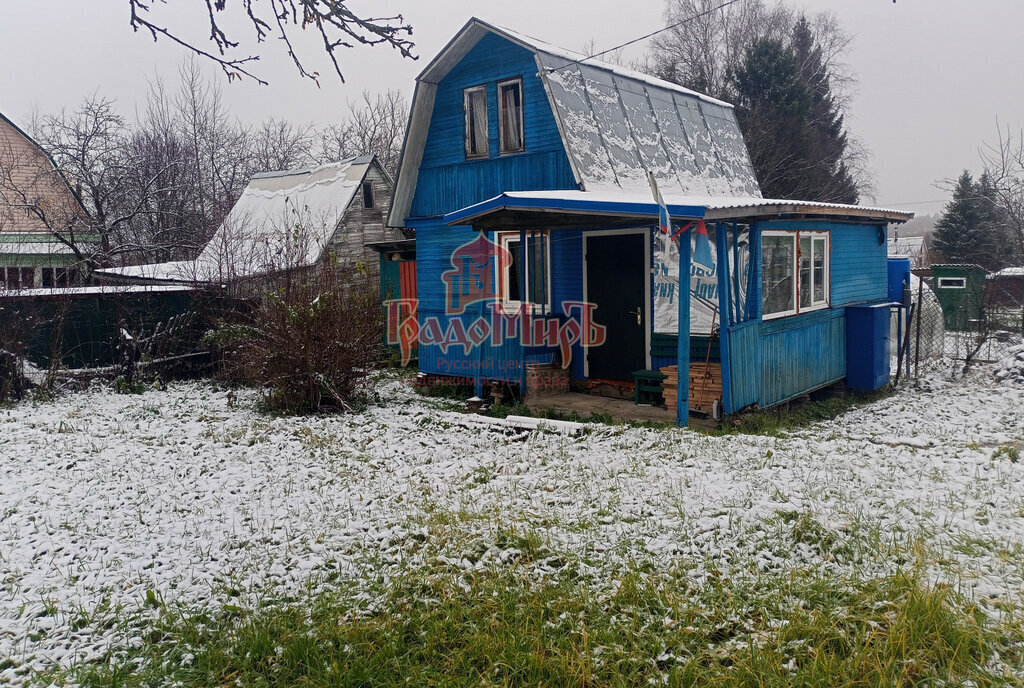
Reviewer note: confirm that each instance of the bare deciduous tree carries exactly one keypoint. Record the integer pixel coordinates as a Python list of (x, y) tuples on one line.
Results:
[(377, 126), (277, 144), (332, 21), (1004, 164), (706, 44), (91, 150)]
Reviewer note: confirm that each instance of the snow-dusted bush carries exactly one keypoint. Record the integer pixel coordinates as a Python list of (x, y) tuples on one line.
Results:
[(12, 376), (1010, 369), (310, 341)]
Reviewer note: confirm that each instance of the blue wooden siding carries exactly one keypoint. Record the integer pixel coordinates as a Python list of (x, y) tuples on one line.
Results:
[(744, 365), (801, 353), (435, 244), (447, 181), (776, 360), (859, 264)]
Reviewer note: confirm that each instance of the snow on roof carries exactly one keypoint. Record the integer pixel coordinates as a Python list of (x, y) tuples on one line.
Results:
[(282, 220), (616, 125), (906, 246), (1008, 272), (532, 43), (735, 206), (173, 271)]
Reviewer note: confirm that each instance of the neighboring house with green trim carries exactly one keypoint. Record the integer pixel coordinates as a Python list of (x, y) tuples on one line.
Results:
[(36, 205)]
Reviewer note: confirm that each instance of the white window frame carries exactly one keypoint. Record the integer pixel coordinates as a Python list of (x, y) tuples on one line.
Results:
[(960, 283), (467, 94), (823, 237), (518, 82), (796, 236), (510, 305)]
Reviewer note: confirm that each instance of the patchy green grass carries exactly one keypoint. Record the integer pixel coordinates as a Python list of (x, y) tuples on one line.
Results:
[(505, 626), (795, 415)]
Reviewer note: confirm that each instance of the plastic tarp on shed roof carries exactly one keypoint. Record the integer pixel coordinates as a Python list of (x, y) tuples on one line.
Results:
[(617, 127)]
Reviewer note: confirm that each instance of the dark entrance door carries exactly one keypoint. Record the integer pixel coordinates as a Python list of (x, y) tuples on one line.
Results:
[(615, 284)]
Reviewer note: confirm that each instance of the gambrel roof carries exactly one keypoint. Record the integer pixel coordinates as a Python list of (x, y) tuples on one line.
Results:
[(616, 125)]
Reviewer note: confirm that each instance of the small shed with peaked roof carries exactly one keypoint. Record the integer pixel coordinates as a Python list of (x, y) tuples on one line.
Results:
[(288, 220)]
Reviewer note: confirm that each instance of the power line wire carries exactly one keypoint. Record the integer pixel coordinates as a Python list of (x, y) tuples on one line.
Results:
[(650, 35)]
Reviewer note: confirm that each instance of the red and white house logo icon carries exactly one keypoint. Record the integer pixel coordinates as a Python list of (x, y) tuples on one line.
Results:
[(475, 315)]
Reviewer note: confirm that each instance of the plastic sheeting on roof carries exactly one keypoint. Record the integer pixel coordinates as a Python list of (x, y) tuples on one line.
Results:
[(282, 220), (617, 127)]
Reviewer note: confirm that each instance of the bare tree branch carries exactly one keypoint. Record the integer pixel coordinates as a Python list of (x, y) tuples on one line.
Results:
[(336, 25)]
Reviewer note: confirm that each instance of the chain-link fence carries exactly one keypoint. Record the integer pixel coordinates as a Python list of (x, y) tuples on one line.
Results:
[(953, 334)]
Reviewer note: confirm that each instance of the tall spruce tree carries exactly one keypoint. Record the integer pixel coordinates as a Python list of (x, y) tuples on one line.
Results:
[(970, 229), (825, 170), (790, 120), (772, 102)]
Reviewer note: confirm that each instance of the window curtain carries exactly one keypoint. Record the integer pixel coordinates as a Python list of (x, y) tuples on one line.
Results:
[(478, 122), (512, 138)]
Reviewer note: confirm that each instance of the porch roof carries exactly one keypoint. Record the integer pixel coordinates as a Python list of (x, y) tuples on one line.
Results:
[(516, 209), (566, 209)]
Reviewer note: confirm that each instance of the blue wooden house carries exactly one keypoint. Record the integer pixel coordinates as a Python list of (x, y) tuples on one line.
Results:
[(526, 176)]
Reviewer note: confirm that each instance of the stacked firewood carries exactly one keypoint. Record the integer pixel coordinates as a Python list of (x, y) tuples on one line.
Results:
[(705, 385)]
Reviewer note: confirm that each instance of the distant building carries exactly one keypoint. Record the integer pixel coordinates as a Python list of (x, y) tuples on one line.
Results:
[(31, 188), (288, 220), (1006, 288), (913, 247)]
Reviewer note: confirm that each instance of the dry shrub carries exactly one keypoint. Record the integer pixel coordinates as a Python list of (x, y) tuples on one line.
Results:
[(16, 323), (310, 341)]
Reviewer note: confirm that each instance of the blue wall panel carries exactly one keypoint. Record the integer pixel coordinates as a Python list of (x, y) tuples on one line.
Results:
[(435, 244), (801, 353), (859, 265), (744, 365), (447, 181)]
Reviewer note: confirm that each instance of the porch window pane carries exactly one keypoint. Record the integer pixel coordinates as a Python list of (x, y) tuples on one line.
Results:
[(538, 270), (819, 270), (475, 101), (526, 281), (778, 261), (514, 290), (805, 272)]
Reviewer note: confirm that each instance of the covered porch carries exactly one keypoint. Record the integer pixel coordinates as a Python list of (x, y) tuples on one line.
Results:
[(769, 319), (585, 255)]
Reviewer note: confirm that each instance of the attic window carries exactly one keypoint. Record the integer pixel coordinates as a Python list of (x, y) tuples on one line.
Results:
[(475, 103), (368, 195), (510, 111), (952, 283)]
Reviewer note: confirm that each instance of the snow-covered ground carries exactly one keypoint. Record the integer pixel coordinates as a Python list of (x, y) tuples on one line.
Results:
[(188, 495)]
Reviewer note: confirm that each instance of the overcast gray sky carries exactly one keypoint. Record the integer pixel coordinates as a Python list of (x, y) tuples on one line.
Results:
[(934, 75)]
